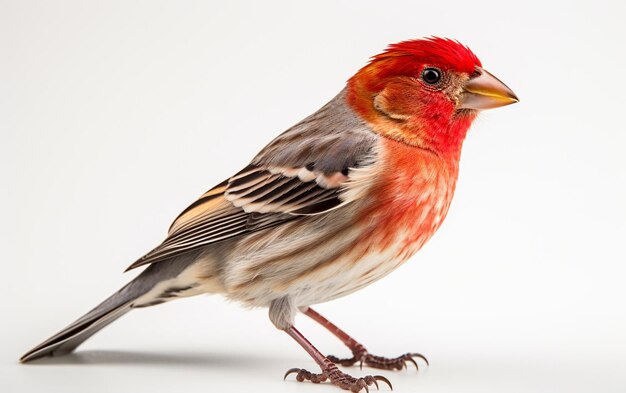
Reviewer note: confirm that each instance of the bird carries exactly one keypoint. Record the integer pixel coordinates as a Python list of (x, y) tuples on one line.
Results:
[(331, 205)]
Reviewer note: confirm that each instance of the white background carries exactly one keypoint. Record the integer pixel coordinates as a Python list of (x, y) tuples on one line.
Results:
[(116, 115)]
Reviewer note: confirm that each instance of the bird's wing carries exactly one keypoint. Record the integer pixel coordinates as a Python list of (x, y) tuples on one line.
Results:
[(302, 172)]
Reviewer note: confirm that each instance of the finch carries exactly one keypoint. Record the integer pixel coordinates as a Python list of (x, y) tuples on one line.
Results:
[(331, 205)]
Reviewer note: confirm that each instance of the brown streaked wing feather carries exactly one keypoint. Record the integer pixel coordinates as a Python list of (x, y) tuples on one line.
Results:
[(204, 204), (272, 191), (261, 202)]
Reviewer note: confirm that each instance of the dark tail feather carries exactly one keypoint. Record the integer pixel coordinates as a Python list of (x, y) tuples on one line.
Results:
[(108, 311), (72, 336)]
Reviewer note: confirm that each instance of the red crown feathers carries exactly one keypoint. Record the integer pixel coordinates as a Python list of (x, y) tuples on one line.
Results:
[(441, 52)]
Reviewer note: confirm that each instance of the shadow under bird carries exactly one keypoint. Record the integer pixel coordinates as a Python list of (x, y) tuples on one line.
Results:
[(331, 205)]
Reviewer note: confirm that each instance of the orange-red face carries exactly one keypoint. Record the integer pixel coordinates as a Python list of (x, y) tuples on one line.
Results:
[(425, 93)]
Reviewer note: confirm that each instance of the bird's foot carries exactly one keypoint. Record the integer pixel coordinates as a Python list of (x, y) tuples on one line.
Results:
[(336, 377), (361, 356)]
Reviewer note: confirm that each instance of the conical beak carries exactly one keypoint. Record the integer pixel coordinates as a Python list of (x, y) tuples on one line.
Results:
[(485, 91)]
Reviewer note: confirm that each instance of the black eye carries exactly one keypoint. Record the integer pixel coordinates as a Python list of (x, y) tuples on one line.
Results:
[(431, 75)]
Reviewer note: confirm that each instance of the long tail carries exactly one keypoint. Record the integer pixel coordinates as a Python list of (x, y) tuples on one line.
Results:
[(108, 311)]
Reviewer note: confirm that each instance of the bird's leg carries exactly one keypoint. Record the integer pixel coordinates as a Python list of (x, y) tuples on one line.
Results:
[(359, 353), (329, 369)]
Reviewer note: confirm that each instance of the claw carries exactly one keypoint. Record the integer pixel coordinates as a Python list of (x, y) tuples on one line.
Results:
[(383, 379), (410, 359), (419, 355), (367, 390), (361, 364), (376, 384), (291, 371)]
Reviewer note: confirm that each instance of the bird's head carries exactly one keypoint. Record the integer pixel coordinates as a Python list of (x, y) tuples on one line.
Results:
[(426, 93)]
